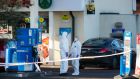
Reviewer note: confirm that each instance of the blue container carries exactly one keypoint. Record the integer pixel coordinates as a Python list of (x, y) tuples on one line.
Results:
[(11, 57)]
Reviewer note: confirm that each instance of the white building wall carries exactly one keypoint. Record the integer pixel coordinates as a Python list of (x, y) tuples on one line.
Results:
[(51, 36), (79, 25), (66, 5), (138, 23), (60, 5), (58, 23), (34, 15), (107, 23), (117, 6), (91, 26), (92, 21)]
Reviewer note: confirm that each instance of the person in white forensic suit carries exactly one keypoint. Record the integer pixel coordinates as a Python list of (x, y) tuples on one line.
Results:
[(64, 49), (75, 53)]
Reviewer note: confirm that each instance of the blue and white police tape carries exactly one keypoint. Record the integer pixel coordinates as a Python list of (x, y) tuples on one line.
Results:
[(68, 59)]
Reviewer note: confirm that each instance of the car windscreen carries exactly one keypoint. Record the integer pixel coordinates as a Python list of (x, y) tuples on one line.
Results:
[(97, 42)]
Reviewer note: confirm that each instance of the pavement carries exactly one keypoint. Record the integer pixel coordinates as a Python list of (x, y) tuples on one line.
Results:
[(127, 77), (52, 72)]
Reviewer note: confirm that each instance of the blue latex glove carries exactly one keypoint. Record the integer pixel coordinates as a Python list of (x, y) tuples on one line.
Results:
[(69, 55), (66, 54), (77, 56)]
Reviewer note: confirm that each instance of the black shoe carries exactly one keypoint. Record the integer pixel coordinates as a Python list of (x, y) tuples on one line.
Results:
[(63, 74)]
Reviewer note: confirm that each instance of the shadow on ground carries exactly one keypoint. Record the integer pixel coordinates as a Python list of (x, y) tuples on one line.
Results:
[(53, 73)]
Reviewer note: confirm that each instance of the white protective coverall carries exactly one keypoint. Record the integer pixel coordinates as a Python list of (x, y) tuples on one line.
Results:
[(75, 53), (64, 49)]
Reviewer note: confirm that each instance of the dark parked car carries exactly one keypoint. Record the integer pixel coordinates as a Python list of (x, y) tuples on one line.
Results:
[(2, 53), (101, 47)]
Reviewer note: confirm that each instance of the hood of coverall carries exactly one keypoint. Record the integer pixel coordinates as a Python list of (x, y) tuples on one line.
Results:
[(64, 35), (76, 38)]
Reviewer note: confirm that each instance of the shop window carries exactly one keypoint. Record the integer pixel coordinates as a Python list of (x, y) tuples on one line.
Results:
[(44, 24)]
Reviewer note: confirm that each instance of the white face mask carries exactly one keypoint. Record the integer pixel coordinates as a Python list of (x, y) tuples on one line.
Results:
[(64, 34), (75, 39)]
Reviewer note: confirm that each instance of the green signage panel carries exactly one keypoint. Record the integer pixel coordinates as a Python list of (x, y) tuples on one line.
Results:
[(45, 4)]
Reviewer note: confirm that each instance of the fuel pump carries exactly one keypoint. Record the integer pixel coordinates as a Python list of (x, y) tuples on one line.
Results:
[(125, 61), (26, 39)]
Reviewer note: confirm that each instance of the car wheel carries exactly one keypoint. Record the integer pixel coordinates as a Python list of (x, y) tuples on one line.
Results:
[(82, 67)]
